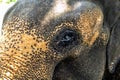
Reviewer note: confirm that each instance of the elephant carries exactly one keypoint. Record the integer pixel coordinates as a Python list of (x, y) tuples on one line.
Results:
[(61, 40)]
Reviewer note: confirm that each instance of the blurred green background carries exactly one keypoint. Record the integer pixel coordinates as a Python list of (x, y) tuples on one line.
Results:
[(4, 6), (7, 1)]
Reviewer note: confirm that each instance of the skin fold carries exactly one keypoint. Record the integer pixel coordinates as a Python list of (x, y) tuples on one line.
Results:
[(59, 40)]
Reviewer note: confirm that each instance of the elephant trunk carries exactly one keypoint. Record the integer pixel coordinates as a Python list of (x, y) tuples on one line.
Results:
[(21, 67)]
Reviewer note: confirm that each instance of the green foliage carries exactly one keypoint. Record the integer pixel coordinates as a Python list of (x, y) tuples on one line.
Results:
[(8, 1), (0, 0)]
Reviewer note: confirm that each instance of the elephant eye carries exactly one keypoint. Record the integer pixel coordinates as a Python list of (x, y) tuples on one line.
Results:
[(65, 39)]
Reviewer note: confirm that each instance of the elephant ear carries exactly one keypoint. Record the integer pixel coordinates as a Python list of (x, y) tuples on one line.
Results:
[(113, 48), (113, 19)]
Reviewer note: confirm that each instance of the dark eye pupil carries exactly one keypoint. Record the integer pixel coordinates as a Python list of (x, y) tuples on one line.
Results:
[(67, 39)]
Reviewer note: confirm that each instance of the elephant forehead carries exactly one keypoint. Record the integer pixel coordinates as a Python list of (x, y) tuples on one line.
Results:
[(63, 8)]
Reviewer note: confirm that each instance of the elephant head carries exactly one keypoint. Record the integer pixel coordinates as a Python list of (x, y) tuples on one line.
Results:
[(53, 40)]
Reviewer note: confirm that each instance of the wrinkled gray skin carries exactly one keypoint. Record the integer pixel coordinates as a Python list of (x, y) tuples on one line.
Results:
[(61, 40)]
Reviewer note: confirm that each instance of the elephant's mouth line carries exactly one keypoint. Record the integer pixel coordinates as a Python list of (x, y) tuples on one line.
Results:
[(59, 67)]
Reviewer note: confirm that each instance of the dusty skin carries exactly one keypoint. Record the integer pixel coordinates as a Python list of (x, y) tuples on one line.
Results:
[(57, 40)]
